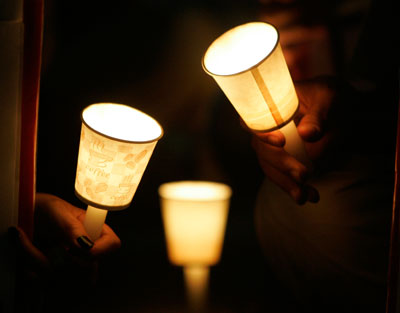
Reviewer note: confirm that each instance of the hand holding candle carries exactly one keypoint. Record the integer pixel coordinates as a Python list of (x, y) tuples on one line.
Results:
[(322, 102), (116, 144)]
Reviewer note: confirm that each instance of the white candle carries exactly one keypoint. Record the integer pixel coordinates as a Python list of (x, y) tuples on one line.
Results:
[(116, 144), (248, 64), (196, 281), (294, 144), (194, 215), (94, 221)]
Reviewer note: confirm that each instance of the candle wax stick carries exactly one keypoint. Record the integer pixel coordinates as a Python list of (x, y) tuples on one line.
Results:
[(94, 221), (294, 144), (196, 281)]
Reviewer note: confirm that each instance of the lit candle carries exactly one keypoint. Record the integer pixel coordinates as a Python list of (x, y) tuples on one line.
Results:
[(194, 215), (115, 147), (248, 64)]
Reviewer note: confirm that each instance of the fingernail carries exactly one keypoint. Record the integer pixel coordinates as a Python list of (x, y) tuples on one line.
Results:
[(85, 242), (13, 234)]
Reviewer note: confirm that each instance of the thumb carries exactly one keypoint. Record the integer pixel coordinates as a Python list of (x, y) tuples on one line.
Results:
[(69, 220), (310, 127), (77, 235), (316, 99)]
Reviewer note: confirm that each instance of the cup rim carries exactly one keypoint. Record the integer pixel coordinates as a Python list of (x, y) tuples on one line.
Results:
[(119, 139), (101, 206), (251, 67), (226, 189)]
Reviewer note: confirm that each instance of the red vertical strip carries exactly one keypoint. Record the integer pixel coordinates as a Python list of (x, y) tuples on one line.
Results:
[(394, 256), (33, 36)]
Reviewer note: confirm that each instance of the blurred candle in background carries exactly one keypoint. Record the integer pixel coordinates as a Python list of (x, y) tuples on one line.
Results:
[(194, 215)]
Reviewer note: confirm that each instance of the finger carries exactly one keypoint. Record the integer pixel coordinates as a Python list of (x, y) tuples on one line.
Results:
[(315, 104), (107, 243), (280, 159), (76, 235), (287, 184), (69, 220), (310, 127), (27, 252), (274, 138)]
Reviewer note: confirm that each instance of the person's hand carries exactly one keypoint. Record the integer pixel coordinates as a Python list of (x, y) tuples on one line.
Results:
[(60, 264), (61, 244), (320, 124), (59, 219)]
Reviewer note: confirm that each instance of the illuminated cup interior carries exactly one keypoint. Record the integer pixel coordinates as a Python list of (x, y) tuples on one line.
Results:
[(194, 215), (115, 146), (248, 64), (121, 122)]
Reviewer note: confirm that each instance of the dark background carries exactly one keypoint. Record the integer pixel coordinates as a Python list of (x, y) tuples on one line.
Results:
[(147, 54)]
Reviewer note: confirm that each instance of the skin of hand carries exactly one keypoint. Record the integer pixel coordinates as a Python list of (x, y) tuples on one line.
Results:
[(321, 125), (60, 243)]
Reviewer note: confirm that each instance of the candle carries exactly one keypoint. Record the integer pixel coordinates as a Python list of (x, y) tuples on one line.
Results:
[(116, 144), (196, 281), (94, 221), (248, 64), (194, 216)]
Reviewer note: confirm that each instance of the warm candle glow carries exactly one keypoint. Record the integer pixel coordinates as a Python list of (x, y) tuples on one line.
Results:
[(248, 64), (195, 191), (194, 215), (121, 122), (240, 49), (116, 144)]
